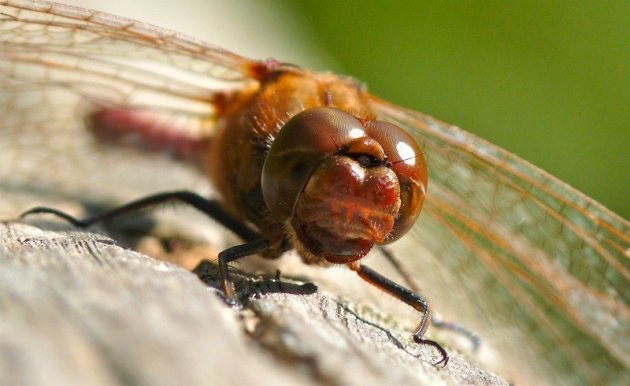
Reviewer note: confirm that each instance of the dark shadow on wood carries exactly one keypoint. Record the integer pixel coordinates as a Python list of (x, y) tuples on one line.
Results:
[(249, 285)]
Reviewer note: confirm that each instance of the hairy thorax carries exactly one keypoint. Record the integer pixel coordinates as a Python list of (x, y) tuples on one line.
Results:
[(249, 123)]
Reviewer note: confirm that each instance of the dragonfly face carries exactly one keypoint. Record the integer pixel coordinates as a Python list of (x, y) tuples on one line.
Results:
[(337, 183), (540, 270)]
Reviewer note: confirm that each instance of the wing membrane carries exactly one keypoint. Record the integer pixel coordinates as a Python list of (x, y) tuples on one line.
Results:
[(541, 269), (73, 29), (58, 64), (544, 268)]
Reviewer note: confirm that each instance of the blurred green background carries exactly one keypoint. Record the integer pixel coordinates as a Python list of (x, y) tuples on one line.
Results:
[(547, 80)]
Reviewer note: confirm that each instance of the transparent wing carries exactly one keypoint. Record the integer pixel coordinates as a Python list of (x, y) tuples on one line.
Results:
[(59, 64), (68, 29), (541, 270)]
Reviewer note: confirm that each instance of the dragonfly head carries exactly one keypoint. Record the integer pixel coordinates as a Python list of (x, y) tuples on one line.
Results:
[(343, 184)]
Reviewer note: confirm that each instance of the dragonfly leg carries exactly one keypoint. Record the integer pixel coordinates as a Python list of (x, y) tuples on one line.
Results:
[(254, 244), (409, 297), (212, 208), (234, 253), (400, 268), (436, 320)]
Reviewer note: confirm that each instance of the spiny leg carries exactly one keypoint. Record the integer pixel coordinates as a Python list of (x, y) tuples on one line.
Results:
[(400, 268), (254, 243), (234, 253), (409, 297), (212, 208), (436, 321)]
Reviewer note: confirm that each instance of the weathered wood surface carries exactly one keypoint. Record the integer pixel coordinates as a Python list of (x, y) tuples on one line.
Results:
[(78, 309)]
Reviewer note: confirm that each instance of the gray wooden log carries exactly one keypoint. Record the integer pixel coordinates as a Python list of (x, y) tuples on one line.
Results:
[(78, 309)]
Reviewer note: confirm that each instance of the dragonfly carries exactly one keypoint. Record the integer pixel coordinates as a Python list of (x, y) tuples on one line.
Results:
[(540, 270)]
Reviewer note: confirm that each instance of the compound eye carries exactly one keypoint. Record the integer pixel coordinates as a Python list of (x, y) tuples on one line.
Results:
[(363, 164), (303, 142), (406, 159)]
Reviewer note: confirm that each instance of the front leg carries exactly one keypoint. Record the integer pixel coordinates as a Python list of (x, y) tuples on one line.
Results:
[(212, 208), (234, 253), (409, 297), (436, 320), (254, 241)]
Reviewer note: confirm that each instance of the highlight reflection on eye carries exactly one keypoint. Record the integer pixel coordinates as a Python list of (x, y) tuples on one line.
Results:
[(356, 133), (407, 155)]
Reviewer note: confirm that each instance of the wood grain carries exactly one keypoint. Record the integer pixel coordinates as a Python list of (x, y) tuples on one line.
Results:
[(79, 309)]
